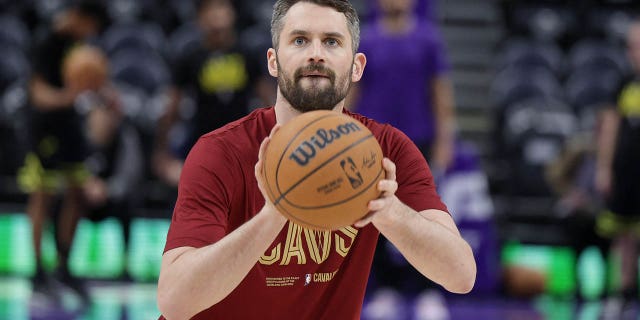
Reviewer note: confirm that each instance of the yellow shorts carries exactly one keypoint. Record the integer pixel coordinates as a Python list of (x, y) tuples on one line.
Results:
[(32, 176), (610, 224)]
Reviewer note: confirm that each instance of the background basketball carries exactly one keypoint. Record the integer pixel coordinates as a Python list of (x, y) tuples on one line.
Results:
[(85, 68), (322, 168)]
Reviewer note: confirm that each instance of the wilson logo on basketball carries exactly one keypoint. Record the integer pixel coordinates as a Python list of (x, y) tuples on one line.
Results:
[(308, 149)]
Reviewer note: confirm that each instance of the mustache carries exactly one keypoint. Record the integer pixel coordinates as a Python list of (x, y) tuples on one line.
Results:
[(314, 68)]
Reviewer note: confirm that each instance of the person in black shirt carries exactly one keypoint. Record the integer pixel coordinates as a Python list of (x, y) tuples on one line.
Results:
[(618, 177), (223, 78), (115, 162), (54, 165)]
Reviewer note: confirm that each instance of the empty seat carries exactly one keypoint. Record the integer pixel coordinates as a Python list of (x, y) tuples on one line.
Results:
[(14, 33), (598, 54), (185, 10), (144, 37), (589, 90), (125, 11), (142, 80), (534, 134), (519, 83), (148, 72), (257, 40), (545, 22), (183, 39), (14, 72), (611, 24), (14, 67), (46, 9), (521, 52)]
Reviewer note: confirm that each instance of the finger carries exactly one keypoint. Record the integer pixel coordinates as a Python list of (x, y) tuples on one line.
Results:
[(364, 221), (274, 130), (378, 204), (263, 149), (257, 170), (388, 187), (261, 156), (390, 169)]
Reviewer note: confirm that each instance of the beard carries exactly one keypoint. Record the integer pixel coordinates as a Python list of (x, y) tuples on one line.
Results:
[(316, 97)]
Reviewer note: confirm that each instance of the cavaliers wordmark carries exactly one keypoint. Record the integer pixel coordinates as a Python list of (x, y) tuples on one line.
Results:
[(318, 244)]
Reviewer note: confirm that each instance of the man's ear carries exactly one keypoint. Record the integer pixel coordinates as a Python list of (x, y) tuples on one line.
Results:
[(359, 62), (272, 62)]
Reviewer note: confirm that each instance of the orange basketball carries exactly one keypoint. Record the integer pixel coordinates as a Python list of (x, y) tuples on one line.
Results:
[(322, 168), (85, 68)]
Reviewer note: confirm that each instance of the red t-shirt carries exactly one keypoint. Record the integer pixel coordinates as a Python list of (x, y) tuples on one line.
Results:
[(304, 274)]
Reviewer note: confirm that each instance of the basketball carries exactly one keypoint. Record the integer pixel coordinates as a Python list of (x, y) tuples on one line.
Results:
[(85, 68), (321, 170)]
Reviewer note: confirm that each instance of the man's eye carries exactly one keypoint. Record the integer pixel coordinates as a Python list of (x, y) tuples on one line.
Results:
[(332, 42), (299, 41)]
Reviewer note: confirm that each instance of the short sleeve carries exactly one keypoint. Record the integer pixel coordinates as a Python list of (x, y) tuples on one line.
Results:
[(201, 213)]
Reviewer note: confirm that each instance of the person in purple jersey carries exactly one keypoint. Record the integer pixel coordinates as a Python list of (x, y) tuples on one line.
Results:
[(408, 84), (423, 9)]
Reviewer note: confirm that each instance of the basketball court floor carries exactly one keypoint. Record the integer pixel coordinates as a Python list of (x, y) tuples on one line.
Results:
[(132, 301), (99, 256)]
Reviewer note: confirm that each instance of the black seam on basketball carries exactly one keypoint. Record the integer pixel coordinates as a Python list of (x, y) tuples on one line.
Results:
[(342, 201), (320, 166), (301, 222)]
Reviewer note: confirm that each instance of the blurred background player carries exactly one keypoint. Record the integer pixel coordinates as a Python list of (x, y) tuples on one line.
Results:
[(115, 161), (408, 84), (221, 75), (617, 177), (54, 166)]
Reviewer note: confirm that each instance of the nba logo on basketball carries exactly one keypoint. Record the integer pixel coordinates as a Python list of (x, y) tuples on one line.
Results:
[(352, 172)]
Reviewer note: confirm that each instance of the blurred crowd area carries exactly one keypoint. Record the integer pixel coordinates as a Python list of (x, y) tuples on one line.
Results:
[(142, 40), (529, 81)]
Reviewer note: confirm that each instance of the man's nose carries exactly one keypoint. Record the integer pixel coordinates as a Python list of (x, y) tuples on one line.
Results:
[(317, 53)]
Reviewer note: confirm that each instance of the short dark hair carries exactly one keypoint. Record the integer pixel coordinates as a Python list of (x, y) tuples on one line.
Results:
[(94, 9), (203, 4), (281, 7)]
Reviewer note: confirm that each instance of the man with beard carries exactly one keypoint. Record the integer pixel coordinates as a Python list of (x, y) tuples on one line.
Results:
[(228, 247)]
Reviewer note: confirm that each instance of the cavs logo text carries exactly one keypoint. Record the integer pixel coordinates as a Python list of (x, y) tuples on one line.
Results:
[(317, 245)]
